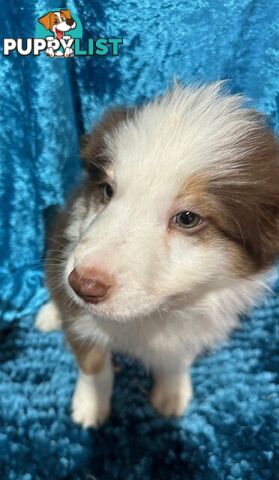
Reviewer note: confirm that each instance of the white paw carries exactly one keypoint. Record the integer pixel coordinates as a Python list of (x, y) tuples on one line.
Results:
[(69, 52), (48, 318), (89, 407), (50, 52), (171, 399)]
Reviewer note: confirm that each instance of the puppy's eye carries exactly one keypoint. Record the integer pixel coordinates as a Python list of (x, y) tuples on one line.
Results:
[(63, 18), (108, 191), (187, 219), (56, 20)]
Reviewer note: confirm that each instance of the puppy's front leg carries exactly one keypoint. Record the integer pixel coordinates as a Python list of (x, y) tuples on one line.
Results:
[(171, 393), (48, 318), (50, 52), (69, 52), (92, 396)]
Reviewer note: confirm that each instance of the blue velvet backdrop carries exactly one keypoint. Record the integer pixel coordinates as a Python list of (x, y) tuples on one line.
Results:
[(45, 104)]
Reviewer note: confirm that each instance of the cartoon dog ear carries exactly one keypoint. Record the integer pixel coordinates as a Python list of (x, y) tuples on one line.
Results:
[(45, 20), (66, 13)]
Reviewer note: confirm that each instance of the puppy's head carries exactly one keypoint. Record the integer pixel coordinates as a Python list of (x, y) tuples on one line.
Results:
[(181, 198), (58, 22)]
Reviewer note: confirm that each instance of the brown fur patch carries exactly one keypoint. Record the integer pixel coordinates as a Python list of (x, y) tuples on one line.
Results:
[(249, 199), (195, 194), (243, 202), (93, 145), (193, 191)]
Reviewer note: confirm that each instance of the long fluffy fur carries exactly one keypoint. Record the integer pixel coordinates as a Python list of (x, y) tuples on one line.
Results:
[(175, 293)]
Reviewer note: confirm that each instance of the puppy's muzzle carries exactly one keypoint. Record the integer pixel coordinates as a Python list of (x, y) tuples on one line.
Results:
[(89, 284)]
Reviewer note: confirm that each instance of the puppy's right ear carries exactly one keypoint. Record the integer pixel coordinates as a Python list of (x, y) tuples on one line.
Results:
[(93, 145), (45, 20), (66, 13)]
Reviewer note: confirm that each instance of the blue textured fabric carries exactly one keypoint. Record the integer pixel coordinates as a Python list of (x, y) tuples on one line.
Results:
[(231, 430)]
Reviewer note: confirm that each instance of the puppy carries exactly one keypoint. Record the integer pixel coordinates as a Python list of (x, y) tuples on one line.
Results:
[(58, 23), (171, 235)]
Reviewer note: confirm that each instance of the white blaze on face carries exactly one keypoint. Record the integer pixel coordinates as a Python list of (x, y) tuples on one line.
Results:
[(156, 153)]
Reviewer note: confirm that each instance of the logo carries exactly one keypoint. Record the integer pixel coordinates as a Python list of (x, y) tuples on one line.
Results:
[(59, 35)]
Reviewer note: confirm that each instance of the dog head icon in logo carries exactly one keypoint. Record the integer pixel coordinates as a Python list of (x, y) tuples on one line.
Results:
[(59, 23)]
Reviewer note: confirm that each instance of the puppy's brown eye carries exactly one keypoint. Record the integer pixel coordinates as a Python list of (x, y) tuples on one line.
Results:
[(187, 219), (108, 191), (56, 20), (63, 18)]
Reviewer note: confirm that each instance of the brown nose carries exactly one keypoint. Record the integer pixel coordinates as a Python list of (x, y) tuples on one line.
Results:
[(69, 22), (89, 284)]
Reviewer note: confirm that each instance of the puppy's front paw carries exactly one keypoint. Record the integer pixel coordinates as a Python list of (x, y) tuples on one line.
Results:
[(170, 398), (69, 52), (50, 52), (89, 407), (48, 318)]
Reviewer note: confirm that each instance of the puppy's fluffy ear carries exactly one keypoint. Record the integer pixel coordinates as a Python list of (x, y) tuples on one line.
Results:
[(45, 20), (270, 233), (249, 195), (66, 13), (93, 146), (263, 205)]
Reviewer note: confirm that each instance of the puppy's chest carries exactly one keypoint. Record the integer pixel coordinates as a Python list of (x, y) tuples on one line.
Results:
[(140, 337)]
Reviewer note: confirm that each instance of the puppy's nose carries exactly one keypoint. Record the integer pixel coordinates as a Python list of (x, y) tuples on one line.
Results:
[(70, 22), (89, 284)]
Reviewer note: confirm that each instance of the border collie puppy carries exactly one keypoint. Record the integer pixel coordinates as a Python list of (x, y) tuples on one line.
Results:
[(171, 235)]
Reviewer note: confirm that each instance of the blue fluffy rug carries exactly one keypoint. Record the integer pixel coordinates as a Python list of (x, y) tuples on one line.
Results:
[(231, 430)]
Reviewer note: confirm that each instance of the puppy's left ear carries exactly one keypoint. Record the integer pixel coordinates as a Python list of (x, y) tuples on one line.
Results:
[(45, 20), (93, 145), (66, 13), (262, 196), (249, 194)]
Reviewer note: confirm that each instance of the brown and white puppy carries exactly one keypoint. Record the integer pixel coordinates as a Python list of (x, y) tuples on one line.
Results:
[(170, 237), (58, 23)]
